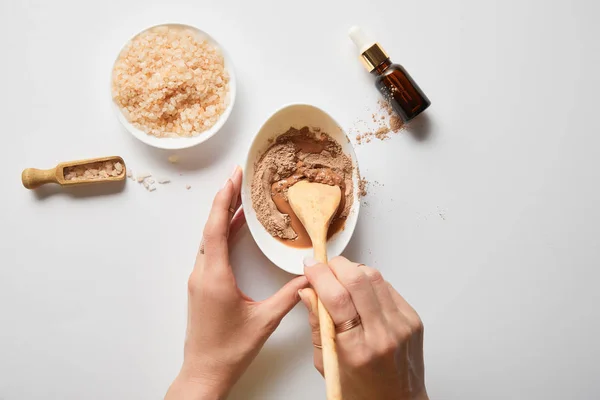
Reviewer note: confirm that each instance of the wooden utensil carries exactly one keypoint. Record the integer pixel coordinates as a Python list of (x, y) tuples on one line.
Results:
[(33, 178), (315, 205)]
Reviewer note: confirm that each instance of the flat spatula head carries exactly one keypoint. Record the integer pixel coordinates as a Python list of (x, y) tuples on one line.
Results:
[(315, 205)]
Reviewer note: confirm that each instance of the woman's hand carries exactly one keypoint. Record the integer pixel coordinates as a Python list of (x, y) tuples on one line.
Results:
[(226, 329), (382, 358)]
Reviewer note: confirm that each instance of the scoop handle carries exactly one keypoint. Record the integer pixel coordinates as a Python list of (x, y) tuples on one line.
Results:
[(331, 365), (33, 178)]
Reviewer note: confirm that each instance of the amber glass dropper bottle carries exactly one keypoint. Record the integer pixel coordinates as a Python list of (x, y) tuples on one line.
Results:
[(395, 84)]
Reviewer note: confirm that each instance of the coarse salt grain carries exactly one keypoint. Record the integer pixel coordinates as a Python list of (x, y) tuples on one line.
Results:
[(148, 183), (168, 82), (94, 171), (143, 176)]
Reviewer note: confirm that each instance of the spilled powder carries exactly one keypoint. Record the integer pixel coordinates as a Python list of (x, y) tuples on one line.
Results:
[(396, 123), (385, 106), (362, 187), (296, 155), (386, 122)]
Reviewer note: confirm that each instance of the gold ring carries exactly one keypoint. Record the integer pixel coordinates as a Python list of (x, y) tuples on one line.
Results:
[(346, 326), (232, 210), (318, 346)]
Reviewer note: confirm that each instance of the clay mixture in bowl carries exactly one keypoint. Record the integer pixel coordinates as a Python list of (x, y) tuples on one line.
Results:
[(299, 154)]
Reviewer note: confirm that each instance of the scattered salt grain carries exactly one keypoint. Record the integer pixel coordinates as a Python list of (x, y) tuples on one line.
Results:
[(188, 187), (147, 180), (143, 176), (149, 184)]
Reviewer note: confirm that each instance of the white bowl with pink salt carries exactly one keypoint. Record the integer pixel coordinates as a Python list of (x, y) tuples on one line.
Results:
[(298, 142), (173, 86)]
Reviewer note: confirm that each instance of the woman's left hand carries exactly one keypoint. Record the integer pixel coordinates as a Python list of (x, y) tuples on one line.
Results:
[(226, 329)]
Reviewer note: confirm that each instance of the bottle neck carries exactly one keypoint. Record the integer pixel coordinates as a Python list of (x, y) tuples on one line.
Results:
[(380, 69)]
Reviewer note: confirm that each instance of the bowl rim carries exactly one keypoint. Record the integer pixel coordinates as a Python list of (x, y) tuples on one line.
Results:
[(351, 223), (179, 143)]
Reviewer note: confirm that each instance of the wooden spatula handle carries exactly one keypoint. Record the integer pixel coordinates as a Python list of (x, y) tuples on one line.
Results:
[(33, 178), (330, 358), (331, 365)]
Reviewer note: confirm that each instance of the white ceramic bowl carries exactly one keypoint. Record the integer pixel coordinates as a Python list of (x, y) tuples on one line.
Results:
[(176, 143), (297, 116)]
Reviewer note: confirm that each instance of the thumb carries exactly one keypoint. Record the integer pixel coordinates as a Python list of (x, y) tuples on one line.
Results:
[(277, 306)]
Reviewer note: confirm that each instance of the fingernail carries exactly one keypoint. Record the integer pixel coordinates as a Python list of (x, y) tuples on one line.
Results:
[(226, 182), (310, 262), (235, 169)]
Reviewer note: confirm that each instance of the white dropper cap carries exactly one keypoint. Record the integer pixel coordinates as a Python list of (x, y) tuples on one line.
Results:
[(371, 53), (360, 38)]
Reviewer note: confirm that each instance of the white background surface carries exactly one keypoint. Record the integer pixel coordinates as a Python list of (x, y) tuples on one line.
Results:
[(489, 227)]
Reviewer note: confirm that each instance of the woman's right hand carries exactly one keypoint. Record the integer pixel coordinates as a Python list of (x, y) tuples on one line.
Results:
[(382, 358)]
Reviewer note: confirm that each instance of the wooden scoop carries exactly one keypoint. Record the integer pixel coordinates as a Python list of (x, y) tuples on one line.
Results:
[(33, 178), (315, 205)]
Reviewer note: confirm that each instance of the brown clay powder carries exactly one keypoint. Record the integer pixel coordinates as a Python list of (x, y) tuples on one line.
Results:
[(298, 154), (385, 106), (387, 122), (396, 123), (362, 187)]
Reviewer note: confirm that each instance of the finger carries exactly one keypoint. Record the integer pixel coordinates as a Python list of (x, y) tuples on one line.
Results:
[(332, 293), (239, 201), (237, 223), (380, 286), (407, 311), (363, 296), (216, 229), (279, 305), (309, 298), (236, 179)]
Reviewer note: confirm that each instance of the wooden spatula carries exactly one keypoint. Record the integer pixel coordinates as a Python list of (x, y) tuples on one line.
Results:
[(315, 205)]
